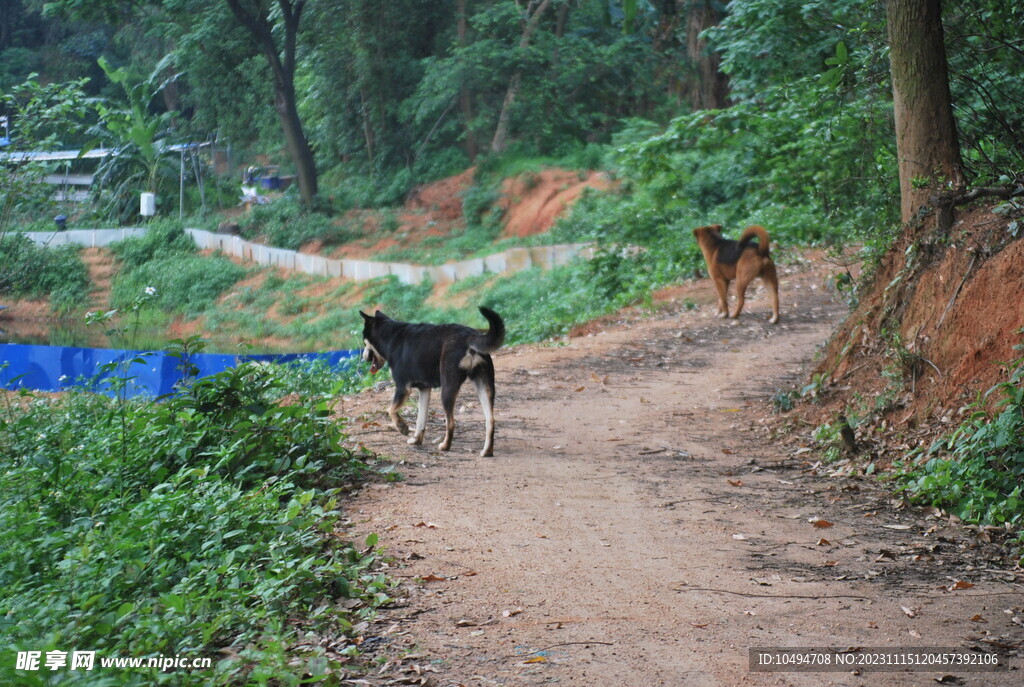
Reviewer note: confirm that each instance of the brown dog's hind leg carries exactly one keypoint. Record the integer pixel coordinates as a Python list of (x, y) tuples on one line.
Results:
[(771, 283), (396, 403), (722, 287), (743, 280)]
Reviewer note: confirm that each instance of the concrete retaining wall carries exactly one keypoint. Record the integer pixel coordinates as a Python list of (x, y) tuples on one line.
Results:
[(512, 260)]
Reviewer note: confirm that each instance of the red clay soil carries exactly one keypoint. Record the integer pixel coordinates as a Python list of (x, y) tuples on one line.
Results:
[(957, 307), (532, 202), (441, 199)]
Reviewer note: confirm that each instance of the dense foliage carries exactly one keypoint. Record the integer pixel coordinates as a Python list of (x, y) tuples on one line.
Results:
[(977, 471), (190, 526)]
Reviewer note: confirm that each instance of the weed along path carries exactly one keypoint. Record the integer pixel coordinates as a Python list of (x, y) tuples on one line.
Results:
[(639, 524)]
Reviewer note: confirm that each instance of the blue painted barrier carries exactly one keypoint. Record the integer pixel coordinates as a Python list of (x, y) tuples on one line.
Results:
[(56, 368)]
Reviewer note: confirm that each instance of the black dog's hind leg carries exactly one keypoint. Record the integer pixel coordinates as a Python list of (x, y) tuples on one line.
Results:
[(449, 392), (484, 381), (401, 393)]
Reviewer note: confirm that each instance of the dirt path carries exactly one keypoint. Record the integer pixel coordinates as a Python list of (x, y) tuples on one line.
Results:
[(639, 526)]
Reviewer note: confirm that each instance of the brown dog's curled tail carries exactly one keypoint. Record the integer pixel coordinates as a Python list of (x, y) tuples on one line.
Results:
[(493, 338), (758, 232)]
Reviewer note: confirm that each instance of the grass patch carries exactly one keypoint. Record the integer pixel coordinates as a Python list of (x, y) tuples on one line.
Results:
[(165, 259), (28, 270)]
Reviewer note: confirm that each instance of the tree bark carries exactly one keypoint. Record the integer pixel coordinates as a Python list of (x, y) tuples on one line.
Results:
[(927, 146), (465, 97), (710, 89), (282, 65), (500, 140)]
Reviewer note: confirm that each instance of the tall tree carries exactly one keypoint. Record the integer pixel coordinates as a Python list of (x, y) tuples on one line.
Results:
[(531, 15), (465, 96), (257, 18), (926, 139), (710, 87)]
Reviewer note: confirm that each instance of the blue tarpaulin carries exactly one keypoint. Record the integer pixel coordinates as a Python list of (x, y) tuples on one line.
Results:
[(55, 368)]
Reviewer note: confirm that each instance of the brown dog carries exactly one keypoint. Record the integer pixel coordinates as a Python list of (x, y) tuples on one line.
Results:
[(740, 260)]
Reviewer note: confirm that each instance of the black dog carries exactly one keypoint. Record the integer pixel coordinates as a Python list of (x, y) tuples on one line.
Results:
[(428, 356)]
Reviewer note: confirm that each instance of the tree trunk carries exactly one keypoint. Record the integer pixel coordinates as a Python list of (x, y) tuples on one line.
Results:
[(256, 19), (500, 140), (926, 140), (465, 97), (710, 87), (295, 139)]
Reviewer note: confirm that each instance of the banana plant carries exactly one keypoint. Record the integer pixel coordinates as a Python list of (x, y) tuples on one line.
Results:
[(140, 159)]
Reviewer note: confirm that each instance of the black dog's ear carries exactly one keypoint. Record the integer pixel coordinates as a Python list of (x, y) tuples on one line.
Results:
[(365, 316), (380, 316)]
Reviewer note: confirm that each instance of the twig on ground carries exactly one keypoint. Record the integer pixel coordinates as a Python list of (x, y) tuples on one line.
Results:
[(537, 651), (772, 596)]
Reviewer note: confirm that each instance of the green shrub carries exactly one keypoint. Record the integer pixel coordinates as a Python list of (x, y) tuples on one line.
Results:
[(187, 526), (287, 223), (977, 471), (28, 270)]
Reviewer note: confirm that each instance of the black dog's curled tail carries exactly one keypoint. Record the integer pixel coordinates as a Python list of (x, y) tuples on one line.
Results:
[(493, 338)]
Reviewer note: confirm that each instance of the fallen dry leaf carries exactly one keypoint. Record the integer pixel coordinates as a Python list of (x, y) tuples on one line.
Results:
[(426, 524), (509, 614), (537, 659), (823, 542), (960, 584), (915, 634), (978, 619), (897, 527), (910, 612), (831, 564), (579, 388), (822, 523), (735, 482), (434, 578)]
